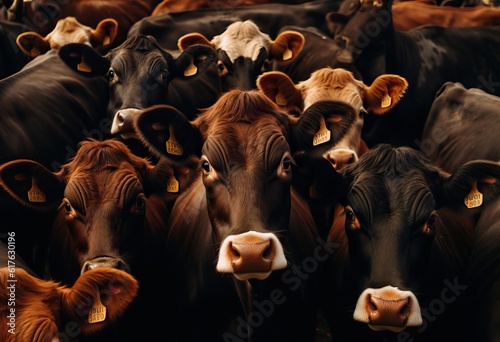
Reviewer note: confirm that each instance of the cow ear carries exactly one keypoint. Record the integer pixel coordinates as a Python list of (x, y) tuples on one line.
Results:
[(472, 186), (194, 38), (105, 33), (172, 179), (280, 89), (166, 132), (287, 46), (32, 185), (107, 292), (336, 22), (32, 44), (321, 126), (316, 181), (194, 60), (84, 59), (384, 93)]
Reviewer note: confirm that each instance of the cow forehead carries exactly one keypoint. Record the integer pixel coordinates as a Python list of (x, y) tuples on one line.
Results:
[(242, 39), (69, 30)]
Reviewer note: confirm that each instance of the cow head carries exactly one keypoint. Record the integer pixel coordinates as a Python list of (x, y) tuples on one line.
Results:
[(358, 29), (244, 52), (140, 73), (110, 206), (392, 198), (44, 307), (68, 30), (245, 146), (336, 20), (339, 85)]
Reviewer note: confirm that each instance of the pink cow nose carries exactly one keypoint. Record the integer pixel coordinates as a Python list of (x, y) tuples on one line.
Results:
[(341, 157), (251, 255), (387, 311)]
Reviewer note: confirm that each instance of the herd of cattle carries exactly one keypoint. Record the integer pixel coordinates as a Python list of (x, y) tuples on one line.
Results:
[(232, 171)]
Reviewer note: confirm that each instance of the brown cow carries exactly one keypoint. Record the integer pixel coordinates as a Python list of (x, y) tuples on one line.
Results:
[(111, 209), (68, 30), (240, 233), (47, 311)]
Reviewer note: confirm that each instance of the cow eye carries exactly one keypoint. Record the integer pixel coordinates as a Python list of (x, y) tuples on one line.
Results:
[(222, 68), (362, 112), (265, 66), (140, 202), (205, 165), (67, 207), (111, 74), (163, 76), (430, 225), (286, 164), (351, 221)]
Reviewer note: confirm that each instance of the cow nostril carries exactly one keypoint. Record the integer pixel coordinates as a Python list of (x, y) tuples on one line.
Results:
[(120, 118), (404, 311), (371, 304), (234, 250), (268, 253)]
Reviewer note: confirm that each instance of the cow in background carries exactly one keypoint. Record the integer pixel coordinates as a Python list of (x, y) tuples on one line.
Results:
[(425, 57), (402, 249), (33, 309), (12, 59), (462, 125), (68, 30), (110, 209), (240, 233)]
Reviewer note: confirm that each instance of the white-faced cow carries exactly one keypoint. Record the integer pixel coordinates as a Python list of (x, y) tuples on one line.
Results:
[(244, 52), (34, 309), (68, 30), (402, 253), (426, 56), (242, 241), (110, 209)]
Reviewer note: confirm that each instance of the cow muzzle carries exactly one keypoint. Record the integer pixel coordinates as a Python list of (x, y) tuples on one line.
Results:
[(123, 122), (251, 255), (341, 157), (105, 261), (388, 308)]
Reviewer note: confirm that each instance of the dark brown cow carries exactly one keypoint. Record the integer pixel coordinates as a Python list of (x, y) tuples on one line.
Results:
[(68, 30), (34, 309), (240, 234), (111, 209), (403, 251)]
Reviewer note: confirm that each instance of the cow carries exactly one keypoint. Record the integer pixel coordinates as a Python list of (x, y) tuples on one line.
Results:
[(168, 6), (240, 233), (42, 15), (34, 309), (244, 52), (270, 18), (407, 15), (462, 126), (425, 56), (68, 30), (110, 209), (12, 59), (329, 84), (143, 74), (405, 245)]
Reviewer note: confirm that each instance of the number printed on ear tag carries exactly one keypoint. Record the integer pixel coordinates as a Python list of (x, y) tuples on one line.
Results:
[(323, 135), (474, 199)]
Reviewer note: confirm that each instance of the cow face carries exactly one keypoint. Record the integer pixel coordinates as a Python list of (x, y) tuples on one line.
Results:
[(245, 147), (68, 30), (110, 206), (392, 199), (140, 73), (340, 85), (244, 52)]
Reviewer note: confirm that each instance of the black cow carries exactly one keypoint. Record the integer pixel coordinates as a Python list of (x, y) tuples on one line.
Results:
[(12, 59), (241, 241), (462, 126), (270, 18), (143, 74), (426, 56), (405, 245)]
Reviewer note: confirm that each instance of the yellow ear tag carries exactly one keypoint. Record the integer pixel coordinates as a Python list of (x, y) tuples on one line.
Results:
[(106, 40), (386, 101), (97, 312), (83, 67), (173, 185), (35, 194), (474, 199), (287, 54), (173, 146), (280, 99), (323, 135), (190, 70)]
